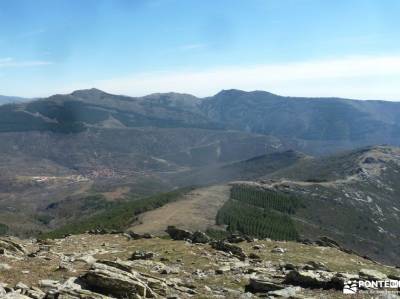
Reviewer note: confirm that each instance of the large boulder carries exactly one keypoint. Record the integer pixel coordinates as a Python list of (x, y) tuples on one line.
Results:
[(136, 236), (12, 245), (320, 279), (312, 265), (72, 289), (263, 285), (235, 238), (341, 278), (179, 234), (2, 291), (142, 255), (200, 237), (119, 279), (115, 282), (49, 284), (289, 292), (86, 258), (278, 249), (310, 279), (229, 248)]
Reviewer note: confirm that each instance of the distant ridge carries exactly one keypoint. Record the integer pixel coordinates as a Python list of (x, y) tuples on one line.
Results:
[(316, 126), (11, 99)]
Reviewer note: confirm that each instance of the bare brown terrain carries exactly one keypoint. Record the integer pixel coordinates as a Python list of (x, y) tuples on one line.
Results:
[(196, 211)]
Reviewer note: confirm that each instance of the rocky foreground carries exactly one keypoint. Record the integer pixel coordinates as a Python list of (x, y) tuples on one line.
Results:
[(128, 265)]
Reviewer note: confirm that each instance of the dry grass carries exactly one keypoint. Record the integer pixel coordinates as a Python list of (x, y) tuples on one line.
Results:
[(188, 258), (196, 211)]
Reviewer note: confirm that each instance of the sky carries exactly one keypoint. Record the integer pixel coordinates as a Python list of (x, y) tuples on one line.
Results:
[(343, 48)]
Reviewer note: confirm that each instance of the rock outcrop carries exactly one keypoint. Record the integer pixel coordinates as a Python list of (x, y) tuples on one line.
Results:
[(116, 282), (229, 248), (10, 244), (200, 237), (142, 255), (178, 234), (112, 266)]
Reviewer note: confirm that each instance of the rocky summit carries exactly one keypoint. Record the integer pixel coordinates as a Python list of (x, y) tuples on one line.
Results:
[(126, 265)]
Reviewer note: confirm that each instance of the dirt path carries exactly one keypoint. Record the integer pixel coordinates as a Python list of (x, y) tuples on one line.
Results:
[(196, 211), (333, 183)]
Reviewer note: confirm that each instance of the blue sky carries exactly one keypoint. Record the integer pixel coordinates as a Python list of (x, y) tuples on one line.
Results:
[(347, 48)]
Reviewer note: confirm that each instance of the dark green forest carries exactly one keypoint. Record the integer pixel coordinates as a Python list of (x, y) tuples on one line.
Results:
[(260, 213), (266, 199), (119, 216)]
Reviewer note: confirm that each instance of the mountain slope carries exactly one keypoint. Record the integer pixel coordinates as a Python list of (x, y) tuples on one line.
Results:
[(248, 169), (59, 152), (44, 168), (314, 125), (352, 197)]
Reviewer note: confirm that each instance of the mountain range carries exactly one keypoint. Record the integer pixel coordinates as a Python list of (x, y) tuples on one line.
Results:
[(313, 125), (72, 157), (8, 100)]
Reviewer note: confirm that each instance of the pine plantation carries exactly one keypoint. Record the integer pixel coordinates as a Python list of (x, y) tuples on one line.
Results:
[(260, 213)]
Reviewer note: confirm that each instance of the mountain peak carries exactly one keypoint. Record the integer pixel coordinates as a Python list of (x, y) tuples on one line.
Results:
[(88, 92), (230, 92), (239, 92)]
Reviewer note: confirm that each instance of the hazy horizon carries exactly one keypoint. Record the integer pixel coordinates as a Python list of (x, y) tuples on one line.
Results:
[(200, 97)]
